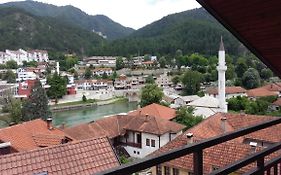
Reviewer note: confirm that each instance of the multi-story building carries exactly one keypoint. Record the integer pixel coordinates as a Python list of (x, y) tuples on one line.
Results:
[(102, 71), (98, 61), (21, 55)]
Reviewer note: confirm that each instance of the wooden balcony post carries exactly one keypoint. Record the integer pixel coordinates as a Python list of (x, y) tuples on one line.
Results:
[(260, 165), (198, 162)]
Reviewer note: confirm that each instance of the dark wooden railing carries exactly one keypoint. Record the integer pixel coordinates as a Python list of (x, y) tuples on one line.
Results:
[(197, 150)]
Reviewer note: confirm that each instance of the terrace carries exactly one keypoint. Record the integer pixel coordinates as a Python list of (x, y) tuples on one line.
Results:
[(256, 23)]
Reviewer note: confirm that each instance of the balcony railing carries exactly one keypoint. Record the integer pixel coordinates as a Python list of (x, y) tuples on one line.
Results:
[(271, 167)]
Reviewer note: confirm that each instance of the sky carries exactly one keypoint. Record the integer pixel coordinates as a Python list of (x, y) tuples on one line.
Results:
[(129, 13)]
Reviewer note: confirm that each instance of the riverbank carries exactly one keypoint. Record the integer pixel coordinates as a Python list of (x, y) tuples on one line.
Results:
[(83, 105)]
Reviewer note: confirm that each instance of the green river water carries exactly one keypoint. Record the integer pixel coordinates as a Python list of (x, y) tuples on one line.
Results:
[(75, 117)]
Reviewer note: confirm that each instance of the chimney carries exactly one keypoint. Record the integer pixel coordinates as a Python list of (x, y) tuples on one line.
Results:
[(146, 117), (223, 124), (189, 137), (49, 123), (253, 146)]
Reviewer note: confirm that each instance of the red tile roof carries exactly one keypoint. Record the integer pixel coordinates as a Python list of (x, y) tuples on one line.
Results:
[(273, 87), (117, 125), (83, 157), (261, 92), (156, 110), (153, 125), (277, 102), (30, 135), (228, 90), (225, 153)]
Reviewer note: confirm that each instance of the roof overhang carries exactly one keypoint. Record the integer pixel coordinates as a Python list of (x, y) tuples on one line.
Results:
[(256, 23)]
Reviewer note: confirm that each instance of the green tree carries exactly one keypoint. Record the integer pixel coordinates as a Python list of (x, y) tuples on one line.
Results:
[(191, 81), (88, 73), (149, 80), (29, 64), (12, 64), (176, 79), (150, 93), (241, 67), (266, 73), (185, 116), (251, 79), (14, 108), (10, 76), (104, 76), (119, 63), (36, 106), (162, 62), (58, 86), (76, 76), (84, 98)]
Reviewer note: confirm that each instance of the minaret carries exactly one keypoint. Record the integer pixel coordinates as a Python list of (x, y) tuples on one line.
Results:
[(221, 71), (58, 68)]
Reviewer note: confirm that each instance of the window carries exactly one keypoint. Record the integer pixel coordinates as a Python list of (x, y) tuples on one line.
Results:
[(214, 168), (152, 143), (190, 173), (166, 170), (176, 171), (147, 142), (158, 170)]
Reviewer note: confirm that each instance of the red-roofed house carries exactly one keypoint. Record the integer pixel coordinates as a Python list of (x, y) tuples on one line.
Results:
[(260, 92), (31, 135), (230, 92), (157, 111), (223, 154), (139, 135), (276, 105), (86, 157)]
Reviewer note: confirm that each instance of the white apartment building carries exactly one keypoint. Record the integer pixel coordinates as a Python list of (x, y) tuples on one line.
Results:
[(101, 71), (21, 55)]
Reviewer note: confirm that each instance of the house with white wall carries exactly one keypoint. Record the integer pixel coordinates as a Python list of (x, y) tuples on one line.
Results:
[(230, 92), (102, 71), (139, 135), (184, 100)]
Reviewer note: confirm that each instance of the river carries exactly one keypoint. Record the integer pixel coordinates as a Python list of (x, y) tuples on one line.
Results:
[(75, 117)]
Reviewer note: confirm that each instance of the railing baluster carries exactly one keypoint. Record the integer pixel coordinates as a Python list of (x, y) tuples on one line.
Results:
[(275, 169), (260, 166), (198, 162)]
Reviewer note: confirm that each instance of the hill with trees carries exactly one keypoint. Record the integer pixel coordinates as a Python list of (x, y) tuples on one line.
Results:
[(193, 31), (74, 16), (20, 29)]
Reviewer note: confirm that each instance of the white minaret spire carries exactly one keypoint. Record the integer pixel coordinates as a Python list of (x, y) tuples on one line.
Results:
[(221, 71), (58, 68)]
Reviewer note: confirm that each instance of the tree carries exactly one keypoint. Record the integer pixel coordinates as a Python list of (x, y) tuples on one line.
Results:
[(88, 73), (162, 62), (104, 75), (150, 93), (84, 98), (149, 80), (36, 106), (13, 107), (58, 86), (76, 76), (185, 116), (12, 64), (119, 63), (10, 77), (176, 79), (241, 67), (191, 81), (251, 79), (266, 73)]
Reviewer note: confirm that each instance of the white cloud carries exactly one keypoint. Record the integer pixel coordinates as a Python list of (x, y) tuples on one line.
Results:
[(130, 13)]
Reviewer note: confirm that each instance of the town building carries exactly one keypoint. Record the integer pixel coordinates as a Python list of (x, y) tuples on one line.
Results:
[(8, 90), (93, 84), (102, 71), (205, 106), (275, 106), (223, 154), (184, 100), (99, 61), (139, 135), (230, 92), (164, 81), (31, 135), (253, 94), (156, 110), (21, 55), (85, 157)]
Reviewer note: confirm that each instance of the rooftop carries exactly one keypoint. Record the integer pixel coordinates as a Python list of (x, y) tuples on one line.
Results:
[(84, 157), (228, 90), (31, 135), (157, 111)]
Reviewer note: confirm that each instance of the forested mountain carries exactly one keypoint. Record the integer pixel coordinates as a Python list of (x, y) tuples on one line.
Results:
[(190, 31), (19, 29), (74, 16)]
